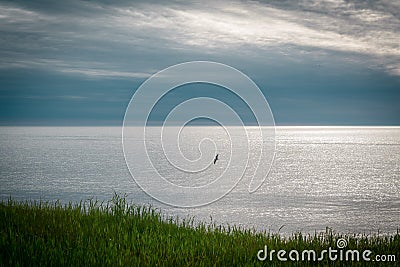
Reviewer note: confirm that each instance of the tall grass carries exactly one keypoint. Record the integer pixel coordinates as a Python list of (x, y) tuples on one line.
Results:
[(117, 233)]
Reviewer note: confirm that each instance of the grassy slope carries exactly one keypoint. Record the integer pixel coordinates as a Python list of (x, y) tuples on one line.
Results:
[(115, 234)]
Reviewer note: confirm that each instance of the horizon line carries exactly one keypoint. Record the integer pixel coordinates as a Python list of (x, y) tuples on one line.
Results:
[(205, 125)]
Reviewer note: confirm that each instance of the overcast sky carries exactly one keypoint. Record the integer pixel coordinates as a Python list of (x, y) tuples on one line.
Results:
[(317, 62)]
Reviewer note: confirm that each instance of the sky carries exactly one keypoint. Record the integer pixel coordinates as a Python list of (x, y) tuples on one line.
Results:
[(330, 62)]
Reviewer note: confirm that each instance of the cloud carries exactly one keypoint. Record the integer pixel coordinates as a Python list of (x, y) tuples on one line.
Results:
[(106, 73), (97, 39), (329, 25)]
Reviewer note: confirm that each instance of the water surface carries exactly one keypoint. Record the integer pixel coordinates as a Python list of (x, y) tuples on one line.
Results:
[(346, 178)]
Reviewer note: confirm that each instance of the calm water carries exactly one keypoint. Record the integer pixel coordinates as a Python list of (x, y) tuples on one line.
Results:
[(342, 177)]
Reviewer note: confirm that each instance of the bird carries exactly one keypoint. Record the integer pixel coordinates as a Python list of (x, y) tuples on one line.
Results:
[(216, 158)]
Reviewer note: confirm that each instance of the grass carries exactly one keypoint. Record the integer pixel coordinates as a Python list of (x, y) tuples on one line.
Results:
[(117, 233)]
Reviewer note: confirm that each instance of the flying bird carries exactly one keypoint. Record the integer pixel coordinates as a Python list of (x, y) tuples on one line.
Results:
[(216, 158)]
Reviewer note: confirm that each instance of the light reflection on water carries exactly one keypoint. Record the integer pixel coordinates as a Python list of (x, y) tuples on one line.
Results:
[(347, 178)]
